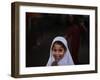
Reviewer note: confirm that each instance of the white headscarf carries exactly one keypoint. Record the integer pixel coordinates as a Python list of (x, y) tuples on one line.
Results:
[(67, 59)]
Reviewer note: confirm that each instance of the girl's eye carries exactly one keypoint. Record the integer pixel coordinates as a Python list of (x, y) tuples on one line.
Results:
[(54, 50), (60, 50)]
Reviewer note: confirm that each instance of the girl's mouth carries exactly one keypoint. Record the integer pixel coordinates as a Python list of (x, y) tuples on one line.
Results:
[(57, 58)]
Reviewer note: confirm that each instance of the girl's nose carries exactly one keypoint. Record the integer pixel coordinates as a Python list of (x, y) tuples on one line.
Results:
[(57, 52)]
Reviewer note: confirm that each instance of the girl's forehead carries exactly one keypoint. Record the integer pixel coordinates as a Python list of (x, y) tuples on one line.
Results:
[(56, 45)]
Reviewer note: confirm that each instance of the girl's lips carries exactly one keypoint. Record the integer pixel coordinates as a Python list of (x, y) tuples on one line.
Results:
[(57, 58)]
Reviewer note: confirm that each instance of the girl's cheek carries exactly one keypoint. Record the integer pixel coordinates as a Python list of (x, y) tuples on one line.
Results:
[(61, 53)]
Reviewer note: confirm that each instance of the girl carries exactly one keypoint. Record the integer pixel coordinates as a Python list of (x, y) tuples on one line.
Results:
[(59, 53)]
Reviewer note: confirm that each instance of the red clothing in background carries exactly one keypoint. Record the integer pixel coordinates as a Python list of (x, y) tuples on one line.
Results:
[(73, 35)]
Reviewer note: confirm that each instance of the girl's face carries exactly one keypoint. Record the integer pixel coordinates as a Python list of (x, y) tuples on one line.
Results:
[(58, 51)]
